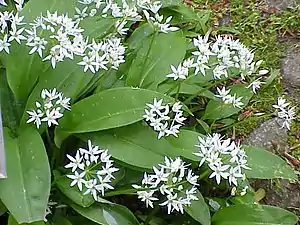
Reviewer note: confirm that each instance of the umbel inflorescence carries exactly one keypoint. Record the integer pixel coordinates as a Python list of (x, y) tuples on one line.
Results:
[(92, 170), (50, 109), (171, 184)]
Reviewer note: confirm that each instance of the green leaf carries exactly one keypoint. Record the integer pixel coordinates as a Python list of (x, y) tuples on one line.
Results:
[(26, 191), (97, 26), (153, 59), (11, 110), (186, 142), (139, 35), (107, 109), (266, 165), (107, 214), (63, 184), (12, 221), (187, 89), (216, 109), (199, 210), (136, 145), (253, 214), (22, 76)]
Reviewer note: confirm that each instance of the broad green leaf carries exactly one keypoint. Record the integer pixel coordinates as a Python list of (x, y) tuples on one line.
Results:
[(67, 77), (153, 59), (97, 26), (12, 221), (108, 109), (216, 109), (107, 214), (253, 214), (10, 109), (23, 75), (266, 165), (63, 184), (139, 35), (26, 191), (199, 210), (186, 142), (136, 145)]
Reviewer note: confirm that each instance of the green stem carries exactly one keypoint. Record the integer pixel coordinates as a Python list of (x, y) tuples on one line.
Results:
[(204, 174), (151, 215), (178, 90), (145, 63)]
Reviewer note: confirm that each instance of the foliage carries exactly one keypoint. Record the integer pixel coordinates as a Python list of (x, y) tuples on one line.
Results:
[(109, 117)]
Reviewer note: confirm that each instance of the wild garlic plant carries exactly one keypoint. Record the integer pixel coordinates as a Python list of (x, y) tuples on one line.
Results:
[(150, 103)]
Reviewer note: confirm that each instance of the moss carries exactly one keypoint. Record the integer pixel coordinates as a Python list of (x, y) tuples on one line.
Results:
[(294, 139)]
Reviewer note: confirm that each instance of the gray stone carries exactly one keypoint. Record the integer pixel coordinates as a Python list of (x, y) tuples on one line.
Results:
[(267, 133), (283, 4), (290, 70), (286, 194), (225, 20), (283, 194)]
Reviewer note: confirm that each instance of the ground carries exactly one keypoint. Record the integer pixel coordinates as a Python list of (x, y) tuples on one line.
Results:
[(272, 29)]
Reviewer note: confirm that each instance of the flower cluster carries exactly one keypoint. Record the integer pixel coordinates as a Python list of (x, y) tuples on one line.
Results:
[(220, 56), (126, 13), (63, 36), (18, 3), (285, 112), (174, 181), (162, 119), (50, 110), (11, 27), (224, 157), (224, 95), (92, 170)]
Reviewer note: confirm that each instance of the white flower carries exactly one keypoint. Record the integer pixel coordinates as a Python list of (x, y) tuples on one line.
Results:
[(75, 162), (38, 45), (77, 179), (219, 171), (35, 117), (147, 197), (255, 85), (88, 63), (223, 93), (157, 22), (281, 103), (91, 188), (180, 72), (81, 14), (4, 44), (263, 72), (16, 34), (285, 112)]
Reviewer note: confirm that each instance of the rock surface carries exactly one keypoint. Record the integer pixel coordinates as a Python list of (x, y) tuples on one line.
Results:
[(267, 133), (282, 4), (290, 70)]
